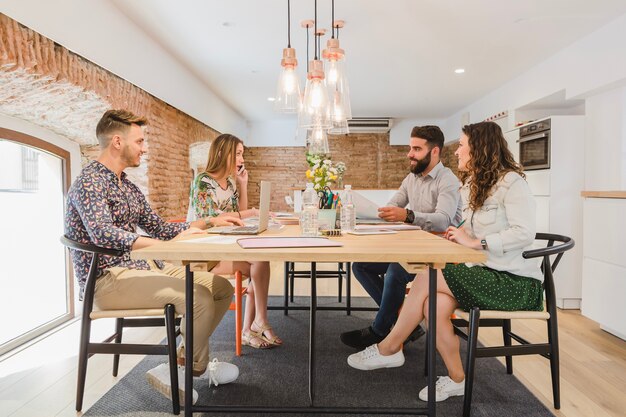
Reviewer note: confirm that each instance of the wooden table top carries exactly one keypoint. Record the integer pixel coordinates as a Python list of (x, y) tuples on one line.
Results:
[(413, 246)]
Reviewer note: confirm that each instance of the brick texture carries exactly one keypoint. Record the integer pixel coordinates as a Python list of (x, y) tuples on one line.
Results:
[(44, 83)]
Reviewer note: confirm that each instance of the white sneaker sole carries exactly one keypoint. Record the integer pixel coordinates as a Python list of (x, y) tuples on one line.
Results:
[(456, 393), (166, 389), (363, 367)]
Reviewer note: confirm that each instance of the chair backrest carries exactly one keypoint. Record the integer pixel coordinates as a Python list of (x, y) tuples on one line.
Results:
[(93, 269), (564, 244)]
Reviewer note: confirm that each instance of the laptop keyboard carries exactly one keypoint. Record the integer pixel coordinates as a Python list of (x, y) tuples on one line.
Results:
[(244, 229)]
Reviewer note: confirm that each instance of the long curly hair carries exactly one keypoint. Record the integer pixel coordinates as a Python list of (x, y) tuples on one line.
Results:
[(490, 160)]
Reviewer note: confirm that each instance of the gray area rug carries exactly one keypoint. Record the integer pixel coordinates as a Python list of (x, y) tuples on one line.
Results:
[(280, 376)]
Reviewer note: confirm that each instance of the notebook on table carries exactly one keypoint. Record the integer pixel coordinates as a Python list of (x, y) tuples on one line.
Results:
[(264, 216)]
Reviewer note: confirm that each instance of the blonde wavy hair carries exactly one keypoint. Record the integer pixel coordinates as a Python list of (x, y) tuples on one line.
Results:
[(222, 154), (490, 160)]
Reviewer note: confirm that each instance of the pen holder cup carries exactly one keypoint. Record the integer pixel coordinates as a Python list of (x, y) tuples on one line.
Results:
[(326, 218)]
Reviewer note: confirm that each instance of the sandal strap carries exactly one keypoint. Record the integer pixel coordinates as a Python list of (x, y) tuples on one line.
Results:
[(263, 327)]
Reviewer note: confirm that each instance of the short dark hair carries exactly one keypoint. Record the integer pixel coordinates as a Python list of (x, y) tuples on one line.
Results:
[(431, 134), (116, 121)]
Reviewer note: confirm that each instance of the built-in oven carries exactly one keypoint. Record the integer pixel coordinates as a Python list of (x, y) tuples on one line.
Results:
[(534, 145)]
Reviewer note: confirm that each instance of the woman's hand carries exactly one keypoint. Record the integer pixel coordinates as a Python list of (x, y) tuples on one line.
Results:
[(460, 236), (242, 177), (226, 220)]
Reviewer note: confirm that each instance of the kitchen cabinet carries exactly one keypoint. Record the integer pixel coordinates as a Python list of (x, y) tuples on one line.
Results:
[(557, 197), (604, 263)]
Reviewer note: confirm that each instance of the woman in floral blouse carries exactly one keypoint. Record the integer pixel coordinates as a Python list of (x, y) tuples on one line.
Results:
[(221, 190)]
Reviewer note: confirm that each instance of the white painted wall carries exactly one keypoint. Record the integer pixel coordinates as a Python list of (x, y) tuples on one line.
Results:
[(127, 52), (605, 141), (594, 63)]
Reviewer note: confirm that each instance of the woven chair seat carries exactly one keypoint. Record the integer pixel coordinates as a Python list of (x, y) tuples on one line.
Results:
[(107, 314), (497, 314)]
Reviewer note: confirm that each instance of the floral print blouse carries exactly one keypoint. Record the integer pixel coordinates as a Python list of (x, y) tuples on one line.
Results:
[(204, 197), (105, 211)]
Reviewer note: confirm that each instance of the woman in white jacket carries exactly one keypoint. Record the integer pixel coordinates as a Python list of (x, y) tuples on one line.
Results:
[(499, 218)]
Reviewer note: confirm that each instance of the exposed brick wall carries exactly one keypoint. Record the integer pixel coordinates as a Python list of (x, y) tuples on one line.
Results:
[(449, 159), (46, 84), (370, 163)]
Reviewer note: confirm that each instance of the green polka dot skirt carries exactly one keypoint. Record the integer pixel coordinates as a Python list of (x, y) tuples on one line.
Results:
[(488, 289)]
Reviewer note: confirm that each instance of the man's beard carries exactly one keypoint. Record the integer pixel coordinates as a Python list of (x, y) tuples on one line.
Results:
[(129, 158), (421, 164)]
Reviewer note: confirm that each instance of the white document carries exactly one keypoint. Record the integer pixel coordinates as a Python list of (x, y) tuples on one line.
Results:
[(365, 208), (390, 226), (215, 240), (373, 232)]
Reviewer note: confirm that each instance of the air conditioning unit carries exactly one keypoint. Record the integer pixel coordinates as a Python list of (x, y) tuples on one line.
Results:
[(369, 124)]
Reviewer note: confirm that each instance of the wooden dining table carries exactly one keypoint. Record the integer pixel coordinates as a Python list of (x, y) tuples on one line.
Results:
[(415, 250)]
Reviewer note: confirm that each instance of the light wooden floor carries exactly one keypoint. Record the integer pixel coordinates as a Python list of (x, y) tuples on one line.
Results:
[(41, 379)]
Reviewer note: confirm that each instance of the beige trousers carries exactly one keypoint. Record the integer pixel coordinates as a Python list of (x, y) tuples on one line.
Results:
[(123, 288)]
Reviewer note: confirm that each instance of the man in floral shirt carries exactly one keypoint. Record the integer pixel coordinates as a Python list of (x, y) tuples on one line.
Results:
[(105, 209)]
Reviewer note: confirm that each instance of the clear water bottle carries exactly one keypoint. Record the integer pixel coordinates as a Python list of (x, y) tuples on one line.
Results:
[(308, 217), (348, 212)]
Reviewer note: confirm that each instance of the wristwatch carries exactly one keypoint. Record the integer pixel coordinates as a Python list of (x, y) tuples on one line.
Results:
[(483, 243), (410, 216), (207, 222)]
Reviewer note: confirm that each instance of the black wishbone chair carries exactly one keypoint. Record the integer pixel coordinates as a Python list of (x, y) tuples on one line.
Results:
[(476, 318), (158, 317)]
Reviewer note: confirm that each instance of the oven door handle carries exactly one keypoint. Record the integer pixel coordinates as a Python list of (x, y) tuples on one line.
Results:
[(533, 137)]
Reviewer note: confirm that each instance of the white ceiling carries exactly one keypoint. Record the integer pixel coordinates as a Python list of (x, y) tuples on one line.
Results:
[(401, 54)]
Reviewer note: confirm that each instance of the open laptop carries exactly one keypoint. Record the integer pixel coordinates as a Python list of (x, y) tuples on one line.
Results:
[(264, 216)]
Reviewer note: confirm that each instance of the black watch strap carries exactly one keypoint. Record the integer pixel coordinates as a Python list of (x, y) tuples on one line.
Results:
[(410, 216)]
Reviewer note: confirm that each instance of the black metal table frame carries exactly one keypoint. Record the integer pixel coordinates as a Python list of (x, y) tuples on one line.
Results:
[(430, 410)]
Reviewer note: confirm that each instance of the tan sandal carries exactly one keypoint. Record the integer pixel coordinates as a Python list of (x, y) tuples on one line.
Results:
[(274, 340), (255, 340)]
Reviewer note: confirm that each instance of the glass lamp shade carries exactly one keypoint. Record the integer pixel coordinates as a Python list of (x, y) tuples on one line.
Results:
[(317, 141), (287, 99), (314, 112), (339, 94)]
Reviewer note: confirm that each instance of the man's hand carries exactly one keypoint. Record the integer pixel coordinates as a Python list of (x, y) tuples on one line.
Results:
[(392, 214), (226, 221)]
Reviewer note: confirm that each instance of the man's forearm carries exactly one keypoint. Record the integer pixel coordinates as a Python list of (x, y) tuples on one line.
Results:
[(144, 242)]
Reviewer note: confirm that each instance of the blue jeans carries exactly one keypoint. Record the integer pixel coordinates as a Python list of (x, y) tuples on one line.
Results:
[(387, 292)]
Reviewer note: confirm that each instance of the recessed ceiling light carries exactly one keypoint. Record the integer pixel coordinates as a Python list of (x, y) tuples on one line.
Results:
[(459, 70), (228, 24), (271, 99)]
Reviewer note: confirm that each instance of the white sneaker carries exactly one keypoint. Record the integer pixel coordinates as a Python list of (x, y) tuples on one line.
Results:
[(370, 358), (220, 373), (159, 378), (444, 388)]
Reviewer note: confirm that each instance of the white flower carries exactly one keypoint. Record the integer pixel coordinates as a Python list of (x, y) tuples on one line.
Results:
[(317, 179)]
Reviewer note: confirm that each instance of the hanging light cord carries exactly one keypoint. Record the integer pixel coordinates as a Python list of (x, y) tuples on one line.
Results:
[(332, 25), (307, 49), (315, 32), (289, 24)]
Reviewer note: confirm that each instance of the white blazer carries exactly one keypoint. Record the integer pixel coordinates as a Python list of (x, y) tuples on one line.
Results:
[(507, 222)]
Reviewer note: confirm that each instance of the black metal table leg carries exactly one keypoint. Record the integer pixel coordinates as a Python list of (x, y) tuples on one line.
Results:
[(188, 342), (431, 338), (312, 333), (286, 289), (348, 288)]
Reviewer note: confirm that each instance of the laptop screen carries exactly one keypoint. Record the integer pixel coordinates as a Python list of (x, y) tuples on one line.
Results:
[(264, 205)]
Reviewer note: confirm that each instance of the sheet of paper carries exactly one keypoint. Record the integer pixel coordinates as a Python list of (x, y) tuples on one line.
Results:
[(215, 240), (390, 226), (373, 232), (286, 242)]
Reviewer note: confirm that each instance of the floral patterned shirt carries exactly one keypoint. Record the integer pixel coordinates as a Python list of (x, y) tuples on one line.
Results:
[(105, 211), (204, 197)]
